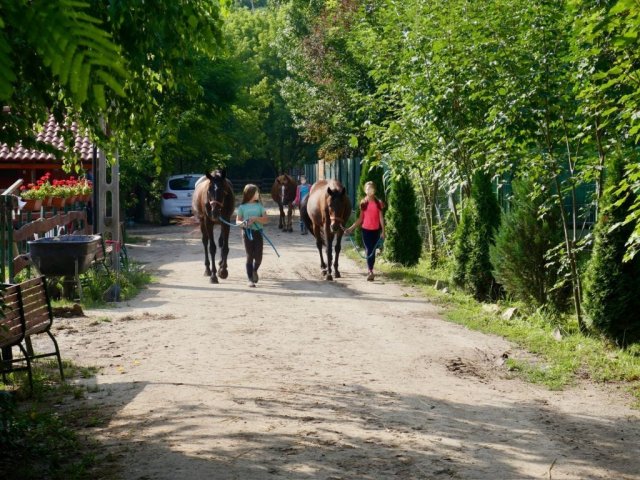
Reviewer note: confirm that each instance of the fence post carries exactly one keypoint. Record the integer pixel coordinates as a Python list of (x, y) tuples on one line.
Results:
[(7, 204)]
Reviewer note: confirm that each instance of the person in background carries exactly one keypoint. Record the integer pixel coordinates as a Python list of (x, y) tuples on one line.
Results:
[(252, 216), (302, 191), (372, 221)]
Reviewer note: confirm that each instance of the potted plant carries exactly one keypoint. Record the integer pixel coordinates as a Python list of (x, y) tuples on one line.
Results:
[(83, 189), (34, 194), (56, 193)]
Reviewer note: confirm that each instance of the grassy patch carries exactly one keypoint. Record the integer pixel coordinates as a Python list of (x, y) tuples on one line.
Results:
[(561, 354), (48, 434), (97, 281)]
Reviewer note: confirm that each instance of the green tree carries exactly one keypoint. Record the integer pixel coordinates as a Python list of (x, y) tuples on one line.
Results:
[(608, 45), (402, 240), (612, 290), (327, 83), (475, 235)]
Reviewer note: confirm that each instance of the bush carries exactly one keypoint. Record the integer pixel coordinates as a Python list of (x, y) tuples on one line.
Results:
[(522, 242), (479, 221), (402, 243), (612, 288)]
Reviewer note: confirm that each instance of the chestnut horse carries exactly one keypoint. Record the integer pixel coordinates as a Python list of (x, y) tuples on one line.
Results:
[(283, 193), (213, 201), (325, 211)]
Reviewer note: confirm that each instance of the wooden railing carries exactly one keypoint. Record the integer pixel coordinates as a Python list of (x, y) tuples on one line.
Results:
[(17, 228)]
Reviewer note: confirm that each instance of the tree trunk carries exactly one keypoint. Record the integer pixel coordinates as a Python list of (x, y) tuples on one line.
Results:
[(573, 264)]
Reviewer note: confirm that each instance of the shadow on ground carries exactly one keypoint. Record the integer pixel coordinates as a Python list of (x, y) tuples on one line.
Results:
[(329, 432)]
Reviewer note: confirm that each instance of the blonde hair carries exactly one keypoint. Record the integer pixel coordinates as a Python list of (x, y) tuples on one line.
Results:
[(249, 192)]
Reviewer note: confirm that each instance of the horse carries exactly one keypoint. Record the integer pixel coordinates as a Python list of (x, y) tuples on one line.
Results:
[(283, 193), (212, 204), (324, 211)]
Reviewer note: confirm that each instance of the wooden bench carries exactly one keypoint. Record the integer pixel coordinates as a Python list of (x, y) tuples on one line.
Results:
[(26, 312)]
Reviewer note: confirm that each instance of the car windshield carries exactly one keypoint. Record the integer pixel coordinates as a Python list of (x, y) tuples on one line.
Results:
[(183, 183)]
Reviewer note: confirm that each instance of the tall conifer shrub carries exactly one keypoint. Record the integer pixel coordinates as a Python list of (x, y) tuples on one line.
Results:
[(519, 256), (402, 241), (476, 232), (612, 288)]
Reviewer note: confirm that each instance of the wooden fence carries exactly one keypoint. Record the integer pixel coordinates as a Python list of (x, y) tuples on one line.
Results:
[(17, 228)]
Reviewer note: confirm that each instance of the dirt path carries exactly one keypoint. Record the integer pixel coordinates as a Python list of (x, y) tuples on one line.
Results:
[(305, 379)]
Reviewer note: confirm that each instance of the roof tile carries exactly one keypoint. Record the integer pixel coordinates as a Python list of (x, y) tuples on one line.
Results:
[(49, 134)]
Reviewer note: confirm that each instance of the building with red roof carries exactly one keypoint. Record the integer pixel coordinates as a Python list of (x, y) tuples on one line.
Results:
[(18, 162)]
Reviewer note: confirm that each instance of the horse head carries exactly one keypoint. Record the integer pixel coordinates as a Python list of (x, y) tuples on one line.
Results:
[(216, 193), (338, 207)]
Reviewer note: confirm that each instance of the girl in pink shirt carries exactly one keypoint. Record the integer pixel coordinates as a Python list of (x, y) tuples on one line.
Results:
[(372, 221)]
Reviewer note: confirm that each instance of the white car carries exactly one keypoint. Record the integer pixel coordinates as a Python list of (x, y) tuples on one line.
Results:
[(176, 198)]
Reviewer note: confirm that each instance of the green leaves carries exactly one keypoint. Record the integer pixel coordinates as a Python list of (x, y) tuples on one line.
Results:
[(70, 42)]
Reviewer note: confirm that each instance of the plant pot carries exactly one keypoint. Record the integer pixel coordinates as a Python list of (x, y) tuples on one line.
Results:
[(32, 204), (58, 202)]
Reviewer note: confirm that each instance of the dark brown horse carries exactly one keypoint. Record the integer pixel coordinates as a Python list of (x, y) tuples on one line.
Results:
[(325, 211), (283, 193), (213, 201)]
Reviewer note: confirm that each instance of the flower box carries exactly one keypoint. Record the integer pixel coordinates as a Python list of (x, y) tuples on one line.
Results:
[(31, 205), (47, 190)]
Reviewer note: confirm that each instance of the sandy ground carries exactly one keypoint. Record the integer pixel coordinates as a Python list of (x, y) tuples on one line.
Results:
[(306, 379)]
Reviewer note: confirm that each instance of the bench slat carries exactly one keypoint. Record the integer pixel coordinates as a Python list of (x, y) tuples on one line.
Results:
[(37, 323), (11, 325)]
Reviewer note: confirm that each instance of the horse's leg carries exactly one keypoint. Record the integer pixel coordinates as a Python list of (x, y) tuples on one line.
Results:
[(289, 215), (223, 243), (330, 255), (317, 232), (212, 249), (205, 241), (338, 248), (281, 220)]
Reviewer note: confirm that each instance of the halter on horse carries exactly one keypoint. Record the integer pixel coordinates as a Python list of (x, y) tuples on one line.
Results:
[(324, 211), (214, 201)]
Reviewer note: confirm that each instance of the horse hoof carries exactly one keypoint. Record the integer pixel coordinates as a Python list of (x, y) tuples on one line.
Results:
[(224, 273), (207, 273), (329, 277), (214, 279), (337, 274)]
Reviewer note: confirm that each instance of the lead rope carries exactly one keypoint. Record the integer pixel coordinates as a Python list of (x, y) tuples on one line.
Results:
[(248, 232), (355, 247)]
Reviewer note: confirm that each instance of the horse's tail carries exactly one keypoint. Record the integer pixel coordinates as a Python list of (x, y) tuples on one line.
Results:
[(304, 215), (187, 221)]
